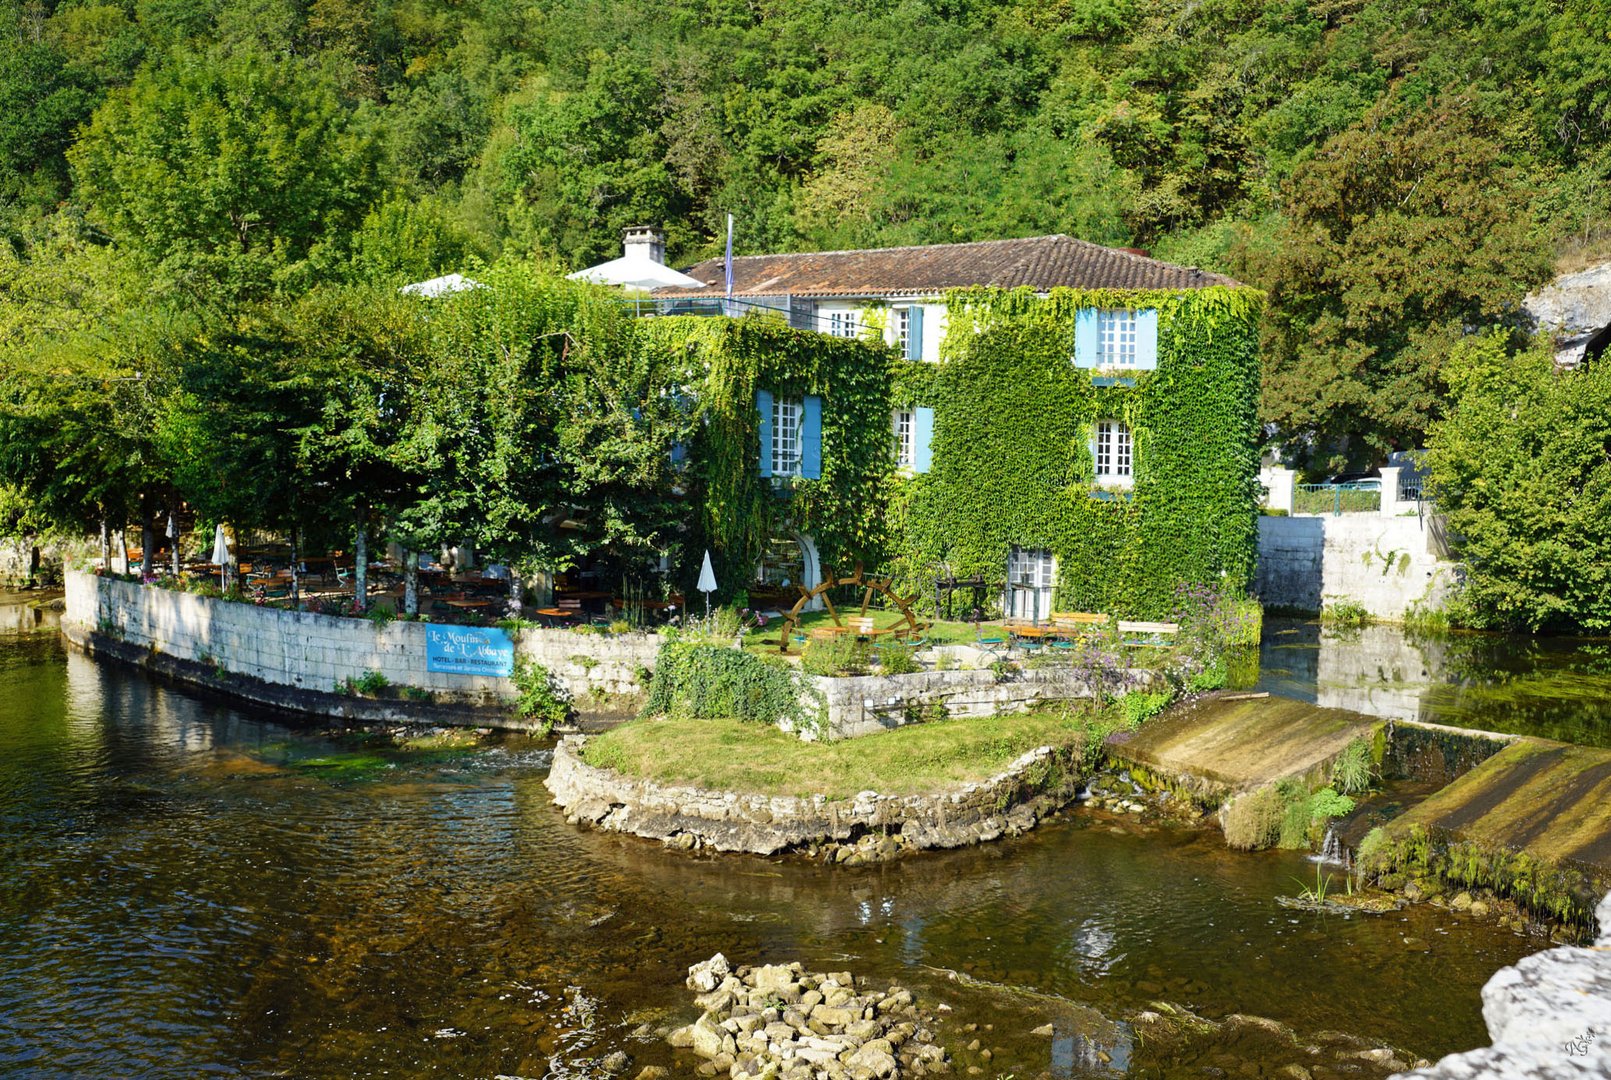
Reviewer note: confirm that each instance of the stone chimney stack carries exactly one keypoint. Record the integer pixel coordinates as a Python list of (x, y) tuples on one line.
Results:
[(647, 241)]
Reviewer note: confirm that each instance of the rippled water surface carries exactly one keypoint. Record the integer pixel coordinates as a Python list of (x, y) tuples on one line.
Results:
[(192, 889)]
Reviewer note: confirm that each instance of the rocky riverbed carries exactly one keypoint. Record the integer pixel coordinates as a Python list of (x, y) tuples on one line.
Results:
[(781, 1022)]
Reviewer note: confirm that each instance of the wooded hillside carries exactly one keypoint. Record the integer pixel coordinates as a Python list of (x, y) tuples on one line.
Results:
[(1392, 172)]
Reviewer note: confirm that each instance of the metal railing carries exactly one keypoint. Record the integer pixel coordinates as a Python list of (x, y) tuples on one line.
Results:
[(1355, 497)]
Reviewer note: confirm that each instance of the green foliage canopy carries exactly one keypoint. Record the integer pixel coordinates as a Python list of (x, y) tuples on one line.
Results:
[(1522, 469)]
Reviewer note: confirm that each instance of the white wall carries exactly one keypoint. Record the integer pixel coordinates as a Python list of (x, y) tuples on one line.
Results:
[(315, 652), (934, 318), (1382, 563)]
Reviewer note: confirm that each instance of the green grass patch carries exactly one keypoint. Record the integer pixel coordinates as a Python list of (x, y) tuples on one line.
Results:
[(731, 756)]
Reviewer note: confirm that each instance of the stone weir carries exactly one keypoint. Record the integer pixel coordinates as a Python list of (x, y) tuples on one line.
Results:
[(1532, 821), (1220, 746), (1525, 818), (870, 827)]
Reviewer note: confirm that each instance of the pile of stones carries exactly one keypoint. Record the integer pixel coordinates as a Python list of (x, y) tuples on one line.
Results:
[(781, 1022)]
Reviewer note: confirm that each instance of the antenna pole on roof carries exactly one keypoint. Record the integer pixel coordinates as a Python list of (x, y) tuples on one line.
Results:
[(728, 267)]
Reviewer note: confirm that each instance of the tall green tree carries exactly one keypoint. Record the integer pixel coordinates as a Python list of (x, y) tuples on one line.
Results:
[(1400, 234), (1521, 467), (239, 171)]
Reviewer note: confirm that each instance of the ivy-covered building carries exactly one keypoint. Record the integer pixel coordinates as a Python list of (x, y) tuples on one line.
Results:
[(1077, 421)]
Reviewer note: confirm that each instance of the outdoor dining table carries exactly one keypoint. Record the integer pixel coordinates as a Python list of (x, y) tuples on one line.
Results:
[(1037, 633), (551, 616), (468, 605)]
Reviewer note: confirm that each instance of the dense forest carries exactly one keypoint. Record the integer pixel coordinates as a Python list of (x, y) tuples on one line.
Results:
[(1393, 173)]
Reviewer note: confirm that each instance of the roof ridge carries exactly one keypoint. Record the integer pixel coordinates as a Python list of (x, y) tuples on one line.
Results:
[(916, 247)]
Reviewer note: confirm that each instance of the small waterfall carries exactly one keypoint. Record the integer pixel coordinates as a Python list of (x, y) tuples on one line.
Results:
[(1333, 852)]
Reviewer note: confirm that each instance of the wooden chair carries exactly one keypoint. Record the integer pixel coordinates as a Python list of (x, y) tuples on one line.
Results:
[(992, 645)]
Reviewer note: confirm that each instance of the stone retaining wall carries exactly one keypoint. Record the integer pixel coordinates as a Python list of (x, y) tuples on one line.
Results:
[(306, 651), (1385, 564), (1549, 1017), (1014, 800), (866, 704)]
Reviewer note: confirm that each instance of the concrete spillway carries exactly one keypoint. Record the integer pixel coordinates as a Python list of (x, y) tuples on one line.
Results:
[(1529, 817), (1548, 799), (1219, 747)]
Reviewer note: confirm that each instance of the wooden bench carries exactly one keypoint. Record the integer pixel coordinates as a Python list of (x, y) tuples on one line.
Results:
[(1148, 635), (1078, 620)]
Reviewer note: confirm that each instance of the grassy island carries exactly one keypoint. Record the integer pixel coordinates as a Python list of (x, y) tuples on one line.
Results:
[(727, 755)]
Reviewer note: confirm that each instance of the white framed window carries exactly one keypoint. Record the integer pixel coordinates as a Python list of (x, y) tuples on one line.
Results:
[(901, 319), (905, 439), (1113, 452), (1116, 332), (843, 324), (787, 417), (1031, 575)]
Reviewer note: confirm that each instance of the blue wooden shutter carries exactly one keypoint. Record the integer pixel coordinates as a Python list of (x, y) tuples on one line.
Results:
[(811, 437), (763, 402), (914, 332), (922, 436), (1087, 341), (1147, 339)]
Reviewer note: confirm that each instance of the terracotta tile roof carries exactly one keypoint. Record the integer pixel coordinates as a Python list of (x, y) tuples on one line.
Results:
[(1040, 262)]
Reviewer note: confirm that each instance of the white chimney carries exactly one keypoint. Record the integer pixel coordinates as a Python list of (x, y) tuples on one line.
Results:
[(647, 242)]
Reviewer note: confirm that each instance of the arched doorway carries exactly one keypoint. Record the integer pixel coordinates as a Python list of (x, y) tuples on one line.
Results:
[(787, 565)]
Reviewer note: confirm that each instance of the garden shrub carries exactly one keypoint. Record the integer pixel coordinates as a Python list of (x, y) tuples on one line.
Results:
[(704, 681), (540, 698), (369, 684), (1305, 819), (841, 654), (1139, 706), (898, 660)]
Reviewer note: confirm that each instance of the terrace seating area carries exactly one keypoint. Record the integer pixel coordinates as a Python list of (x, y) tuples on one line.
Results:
[(328, 583)]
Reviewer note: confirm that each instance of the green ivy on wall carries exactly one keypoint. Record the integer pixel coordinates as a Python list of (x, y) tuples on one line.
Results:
[(1013, 466), (725, 362)]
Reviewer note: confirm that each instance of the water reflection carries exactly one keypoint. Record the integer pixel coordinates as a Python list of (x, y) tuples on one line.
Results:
[(1556, 688)]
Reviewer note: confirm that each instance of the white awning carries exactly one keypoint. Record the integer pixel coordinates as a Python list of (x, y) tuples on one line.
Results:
[(636, 272), (441, 286)]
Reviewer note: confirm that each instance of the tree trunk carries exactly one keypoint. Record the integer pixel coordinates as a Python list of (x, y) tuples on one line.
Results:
[(106, 546), (515, 590), (296, 573), (411, 583), (360, 572), (147, 549), (123, 544), (33, 563)]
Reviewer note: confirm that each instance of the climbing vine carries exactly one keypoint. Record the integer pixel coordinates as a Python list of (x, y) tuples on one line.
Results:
[(725, 362), (1012, 459)]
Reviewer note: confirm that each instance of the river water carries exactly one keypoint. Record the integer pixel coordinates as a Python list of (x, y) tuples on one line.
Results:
[(1551, 687), (192, 888)]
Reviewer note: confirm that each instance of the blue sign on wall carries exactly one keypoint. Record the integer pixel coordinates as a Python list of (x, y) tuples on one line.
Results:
[(468, 650)]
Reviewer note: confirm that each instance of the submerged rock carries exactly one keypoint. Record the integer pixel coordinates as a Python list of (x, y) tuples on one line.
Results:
[(1173, 1037)]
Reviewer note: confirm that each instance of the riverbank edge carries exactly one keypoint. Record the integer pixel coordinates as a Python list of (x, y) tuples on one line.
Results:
[(321, 703), (1549, 1016), (867, 828)]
